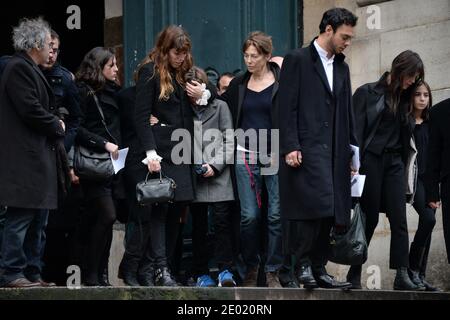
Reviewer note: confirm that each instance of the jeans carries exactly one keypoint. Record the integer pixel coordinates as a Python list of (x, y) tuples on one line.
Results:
[(22, 244), (250, 184)]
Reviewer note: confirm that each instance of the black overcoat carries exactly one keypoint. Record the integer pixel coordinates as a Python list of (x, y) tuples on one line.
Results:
[(28, 134), (174, 113), (319, 123)]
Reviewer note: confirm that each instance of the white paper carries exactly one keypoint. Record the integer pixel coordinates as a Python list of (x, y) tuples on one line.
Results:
[(355, 157), (358, 182), (119, 164)]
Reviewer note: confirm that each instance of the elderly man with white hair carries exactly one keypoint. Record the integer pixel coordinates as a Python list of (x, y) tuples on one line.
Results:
[(29, 131)]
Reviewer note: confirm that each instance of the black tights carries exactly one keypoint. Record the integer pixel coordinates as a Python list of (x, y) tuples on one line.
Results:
[(104, 211)]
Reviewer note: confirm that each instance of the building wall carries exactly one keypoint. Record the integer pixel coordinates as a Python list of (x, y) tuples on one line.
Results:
[(422, 26), (114, 31)]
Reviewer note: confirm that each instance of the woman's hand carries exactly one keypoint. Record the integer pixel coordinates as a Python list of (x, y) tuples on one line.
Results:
[(153, 120), (113, 149), (194, 90), (210, 172), (154, 166)]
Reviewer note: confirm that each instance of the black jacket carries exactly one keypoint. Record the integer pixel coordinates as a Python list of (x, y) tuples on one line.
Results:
[(438, 161), (92, 132), (29, 131), (369, 103)]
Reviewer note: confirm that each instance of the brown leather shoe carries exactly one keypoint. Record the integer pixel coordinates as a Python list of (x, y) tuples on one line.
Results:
[(272, 280), (22, 283), (251, 279)]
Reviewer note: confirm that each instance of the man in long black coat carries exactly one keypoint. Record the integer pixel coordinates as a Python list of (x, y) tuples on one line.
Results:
[(315, 109), (28, 169), (438, 168)]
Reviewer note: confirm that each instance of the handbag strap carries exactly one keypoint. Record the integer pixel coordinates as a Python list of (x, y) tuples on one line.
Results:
[(102, 115), (161, 176)]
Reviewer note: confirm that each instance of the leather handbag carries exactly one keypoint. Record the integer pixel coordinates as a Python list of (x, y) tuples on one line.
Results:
[(151, 191), (350, 248), (90, 164)]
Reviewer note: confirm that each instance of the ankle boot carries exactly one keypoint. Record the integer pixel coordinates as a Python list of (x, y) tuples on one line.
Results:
[(428, 286), (163, 278), (403, 282), (354, 277), (414, 276)]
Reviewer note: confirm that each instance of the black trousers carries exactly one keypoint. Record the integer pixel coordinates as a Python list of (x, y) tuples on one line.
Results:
[(311, 241), (422, 238), (445, 196), (384, 191), (221, 217)]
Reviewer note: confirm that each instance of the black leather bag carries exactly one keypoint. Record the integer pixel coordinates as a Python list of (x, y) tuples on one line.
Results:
[(152, 191), (89, 164), (350, 248)]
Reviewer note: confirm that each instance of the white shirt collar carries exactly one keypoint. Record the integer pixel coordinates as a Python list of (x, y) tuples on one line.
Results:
[(323, 53)]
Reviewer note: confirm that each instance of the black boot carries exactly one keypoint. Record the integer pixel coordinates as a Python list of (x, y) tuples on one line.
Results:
[(163, 278), (103, 278), (306, 278), (128, 272), (354, 277), (403, 282), (416, 255), (428, 286), (146, 278)]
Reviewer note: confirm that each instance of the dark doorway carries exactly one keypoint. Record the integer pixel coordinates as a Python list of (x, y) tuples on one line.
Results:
[(74, 43)]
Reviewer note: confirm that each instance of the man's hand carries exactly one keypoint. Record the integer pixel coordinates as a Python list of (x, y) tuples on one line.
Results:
[(153, 120), (113, 149), (294, 159), (434, 205)]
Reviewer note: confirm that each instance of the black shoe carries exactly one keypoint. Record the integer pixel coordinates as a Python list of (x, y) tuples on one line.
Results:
[(129, 279), (324, 280), (163, 278), (306, 278), (354, 277), (428, 286), (414, 276), (146, 279), (403, 282)]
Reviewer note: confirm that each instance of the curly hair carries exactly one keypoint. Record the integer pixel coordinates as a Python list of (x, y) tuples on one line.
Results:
[(30, 34), (172, 37), (91, 68)]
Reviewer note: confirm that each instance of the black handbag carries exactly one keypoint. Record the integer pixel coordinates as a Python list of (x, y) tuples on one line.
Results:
[(158, 190), (90, 164), (350, 248)]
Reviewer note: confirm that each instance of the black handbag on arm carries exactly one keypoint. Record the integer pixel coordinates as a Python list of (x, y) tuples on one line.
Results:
[(158, 190), (93, 165)]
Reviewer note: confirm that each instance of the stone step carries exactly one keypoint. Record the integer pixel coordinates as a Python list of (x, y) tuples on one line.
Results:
[(230, 294)]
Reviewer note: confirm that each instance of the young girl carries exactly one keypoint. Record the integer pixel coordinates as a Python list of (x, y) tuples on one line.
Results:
[(420, 247)]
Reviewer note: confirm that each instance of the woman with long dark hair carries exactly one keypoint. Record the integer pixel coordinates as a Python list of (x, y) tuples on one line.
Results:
[(97, 77), (384, 132), (421, 102)]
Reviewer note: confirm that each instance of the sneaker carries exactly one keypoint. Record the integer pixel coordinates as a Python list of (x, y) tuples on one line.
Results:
[(205, 281), (226, 279)]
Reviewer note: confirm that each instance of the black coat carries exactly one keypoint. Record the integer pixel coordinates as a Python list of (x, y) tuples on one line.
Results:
[(320, 124), (92, 133), (29, 131), (174, 113), (438, 164)]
